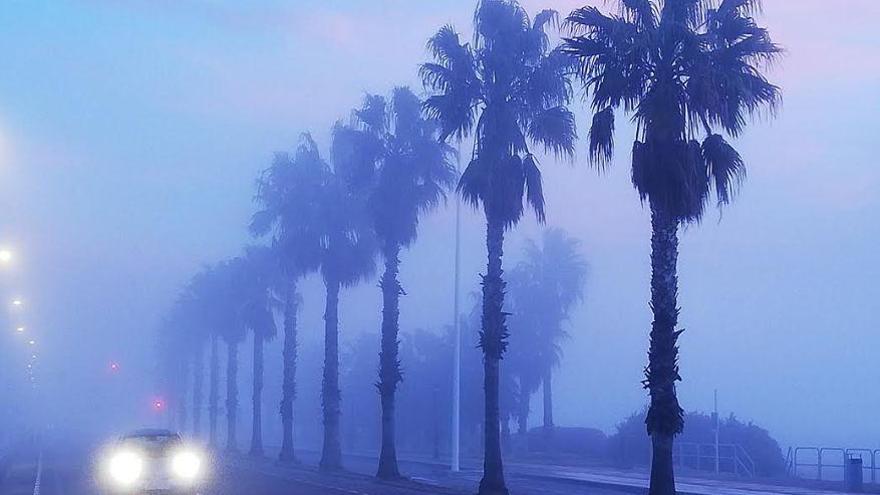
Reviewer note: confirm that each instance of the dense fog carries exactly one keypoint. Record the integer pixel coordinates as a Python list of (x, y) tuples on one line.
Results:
[(133, 137)]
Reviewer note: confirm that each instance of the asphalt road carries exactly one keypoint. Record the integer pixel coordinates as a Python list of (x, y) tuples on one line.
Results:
[(68, 470)]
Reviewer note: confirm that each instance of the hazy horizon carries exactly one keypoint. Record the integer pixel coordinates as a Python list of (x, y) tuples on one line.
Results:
[(131, 137)]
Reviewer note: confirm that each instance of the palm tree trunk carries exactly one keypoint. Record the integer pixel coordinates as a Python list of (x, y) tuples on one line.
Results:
[(213, 393), (548, 400), (181, 398), (231, 395), (389, 363), (331, 454), (664, 418), (522, 418), (257, 418), (493, 344), (288, 386), (198, 385)]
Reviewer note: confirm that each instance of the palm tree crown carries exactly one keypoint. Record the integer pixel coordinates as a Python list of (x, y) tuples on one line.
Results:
[(682, 69), (509, 89)]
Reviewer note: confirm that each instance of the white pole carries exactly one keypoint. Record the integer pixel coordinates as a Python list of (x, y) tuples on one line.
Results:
[(717, 446), (456, 372)]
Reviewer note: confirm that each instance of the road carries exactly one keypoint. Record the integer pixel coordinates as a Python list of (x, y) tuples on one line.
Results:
[(67, 470)]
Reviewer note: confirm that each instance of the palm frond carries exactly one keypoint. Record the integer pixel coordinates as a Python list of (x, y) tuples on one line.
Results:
[(602, 137), (555, 129), (725, 167), (534, 186), (474, 182)]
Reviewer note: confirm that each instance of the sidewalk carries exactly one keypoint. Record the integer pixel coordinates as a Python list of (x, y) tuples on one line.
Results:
[(632, 481)]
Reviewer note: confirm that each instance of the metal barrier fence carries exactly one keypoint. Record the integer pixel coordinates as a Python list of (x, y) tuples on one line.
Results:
[(727, 458), (829, 463)]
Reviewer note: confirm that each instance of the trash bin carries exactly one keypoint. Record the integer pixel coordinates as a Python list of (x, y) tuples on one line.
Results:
[(853, 474)]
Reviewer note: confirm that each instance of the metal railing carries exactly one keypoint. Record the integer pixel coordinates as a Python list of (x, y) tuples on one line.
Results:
[(727, 458), (829, 463)]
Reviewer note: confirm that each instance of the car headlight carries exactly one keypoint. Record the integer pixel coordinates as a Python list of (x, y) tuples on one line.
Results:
[(125, 468), (186, 465)]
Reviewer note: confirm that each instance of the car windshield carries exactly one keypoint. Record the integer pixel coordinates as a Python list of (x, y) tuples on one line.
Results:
[(151, 443)]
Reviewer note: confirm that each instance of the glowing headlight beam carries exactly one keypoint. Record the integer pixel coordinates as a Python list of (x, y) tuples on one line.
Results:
[(125, 468), (186, 465)]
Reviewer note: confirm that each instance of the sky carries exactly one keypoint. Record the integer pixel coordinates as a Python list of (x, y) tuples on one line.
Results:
[(131, 134)]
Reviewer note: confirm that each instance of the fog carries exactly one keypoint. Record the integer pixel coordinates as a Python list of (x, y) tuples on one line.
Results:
[(132, 135)]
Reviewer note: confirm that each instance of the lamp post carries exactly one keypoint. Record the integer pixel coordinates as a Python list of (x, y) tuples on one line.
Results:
[(456, 370)]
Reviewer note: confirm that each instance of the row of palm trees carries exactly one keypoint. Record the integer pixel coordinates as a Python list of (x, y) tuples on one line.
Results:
[(683, 70)]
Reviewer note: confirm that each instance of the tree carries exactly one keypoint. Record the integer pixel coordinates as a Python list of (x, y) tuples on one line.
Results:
[(199, 292), (544, 288), (683, 70), (233, 332), (288, 195), (256, 285), (409, 172), (509, 90), (347, 257)]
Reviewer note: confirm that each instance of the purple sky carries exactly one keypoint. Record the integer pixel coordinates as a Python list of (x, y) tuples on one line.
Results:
[(131, 134)]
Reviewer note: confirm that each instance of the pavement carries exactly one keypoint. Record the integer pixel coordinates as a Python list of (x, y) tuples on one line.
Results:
[(69, 470), (526, 477), (57, 469)]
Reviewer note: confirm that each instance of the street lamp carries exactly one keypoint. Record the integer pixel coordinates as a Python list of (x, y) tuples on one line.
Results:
[(20, 329), (32, 342), (16, 302), (5, 256)]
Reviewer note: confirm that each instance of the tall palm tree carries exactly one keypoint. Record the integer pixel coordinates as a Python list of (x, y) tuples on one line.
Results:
[(545, 286), (509, 90), (209, 289), (684, 70), (259, 279), (288, 198), (232, 332), (347, 257), (200, 293), (409, 172)]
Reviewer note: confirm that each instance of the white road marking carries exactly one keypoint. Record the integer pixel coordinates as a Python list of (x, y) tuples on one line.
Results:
[(39, 477)]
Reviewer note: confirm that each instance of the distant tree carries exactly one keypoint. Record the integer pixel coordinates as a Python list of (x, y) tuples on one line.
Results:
[(210, 289), (347, 257), (396, 151), (233, 333), (544, 288), (509, 90), (683, 69), (198, 293), (259, 279), (288, 197)]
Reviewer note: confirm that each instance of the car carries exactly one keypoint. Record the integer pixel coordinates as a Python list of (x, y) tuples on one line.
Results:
[(152, 461)]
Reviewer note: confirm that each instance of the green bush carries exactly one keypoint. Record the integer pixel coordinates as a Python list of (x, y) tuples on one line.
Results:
[(630, 445)]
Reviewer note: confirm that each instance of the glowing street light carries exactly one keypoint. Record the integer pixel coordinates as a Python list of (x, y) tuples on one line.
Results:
[(20, 329), (16, 302), (5, 256), (32, 342)]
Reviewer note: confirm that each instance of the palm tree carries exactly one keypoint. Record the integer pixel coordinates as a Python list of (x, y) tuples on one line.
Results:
[(259, 278), (201, 300), (509, 90), (347, 257), (232, 332), (287, 194), (545, 286), (410, 172), (684, 70), (208, 287)]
